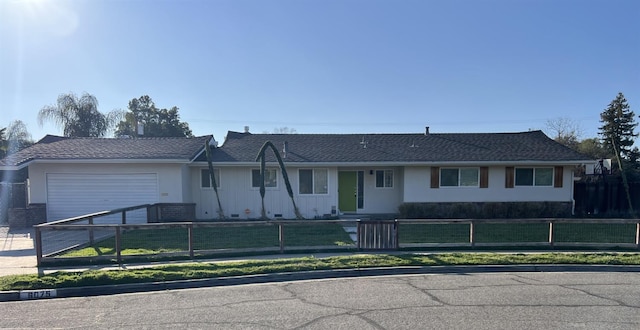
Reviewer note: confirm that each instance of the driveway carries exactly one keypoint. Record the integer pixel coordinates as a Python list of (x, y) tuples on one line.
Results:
[(17, 252)]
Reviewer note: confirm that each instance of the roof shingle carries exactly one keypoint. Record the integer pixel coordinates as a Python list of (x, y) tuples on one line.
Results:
[(66, 148), (434, 147)]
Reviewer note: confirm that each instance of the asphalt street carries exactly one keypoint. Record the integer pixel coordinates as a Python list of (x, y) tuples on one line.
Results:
[(523, 300)]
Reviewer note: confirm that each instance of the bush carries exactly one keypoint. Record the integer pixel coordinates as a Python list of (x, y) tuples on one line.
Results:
[(485, 210)]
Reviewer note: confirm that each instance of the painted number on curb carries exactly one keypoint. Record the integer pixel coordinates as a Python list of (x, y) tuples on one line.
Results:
[(37, 294)]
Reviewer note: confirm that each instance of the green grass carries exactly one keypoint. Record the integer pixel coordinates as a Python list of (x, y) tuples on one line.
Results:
[(515, 233), (213, 270), (154, 241)]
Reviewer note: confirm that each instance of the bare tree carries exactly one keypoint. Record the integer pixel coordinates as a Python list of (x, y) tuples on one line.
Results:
[(284, 130), (565, 130)]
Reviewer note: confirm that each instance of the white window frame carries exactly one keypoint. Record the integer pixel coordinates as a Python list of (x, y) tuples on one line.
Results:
[(384, 179), (458, 185), (216, 173), (313, 181), (266, 170), (534, 181)]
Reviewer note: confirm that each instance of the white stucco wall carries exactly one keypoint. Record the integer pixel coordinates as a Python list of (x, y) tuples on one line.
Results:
[(237, 195), (170, 187), (417, 183), (382, 200)]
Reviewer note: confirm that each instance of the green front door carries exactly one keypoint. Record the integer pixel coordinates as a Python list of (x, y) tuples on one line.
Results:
[(347, 191)]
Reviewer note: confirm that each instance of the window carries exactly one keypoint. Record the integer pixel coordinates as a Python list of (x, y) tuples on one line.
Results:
[(313, 181), (270, 178), (542, 176), (384, 179), (459, 177), (205, 178)]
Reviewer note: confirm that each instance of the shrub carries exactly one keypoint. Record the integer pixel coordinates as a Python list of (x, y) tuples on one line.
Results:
[(485, 210)]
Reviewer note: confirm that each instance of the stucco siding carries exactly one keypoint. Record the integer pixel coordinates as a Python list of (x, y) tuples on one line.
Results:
[(382, 199), (239, 198), (418, 182)]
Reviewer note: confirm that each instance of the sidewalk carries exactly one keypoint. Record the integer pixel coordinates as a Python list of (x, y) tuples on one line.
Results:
[(17, 252)]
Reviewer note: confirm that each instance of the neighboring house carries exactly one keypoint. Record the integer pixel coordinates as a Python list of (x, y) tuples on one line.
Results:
[(331, 174)]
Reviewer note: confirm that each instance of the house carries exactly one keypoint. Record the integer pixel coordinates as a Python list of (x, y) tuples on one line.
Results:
[(330, 174)]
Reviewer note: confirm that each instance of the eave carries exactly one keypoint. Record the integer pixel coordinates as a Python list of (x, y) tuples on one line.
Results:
[(405, 164), (94, 161)]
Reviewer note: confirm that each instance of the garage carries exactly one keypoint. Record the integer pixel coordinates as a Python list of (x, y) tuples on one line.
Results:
[(71, 194)]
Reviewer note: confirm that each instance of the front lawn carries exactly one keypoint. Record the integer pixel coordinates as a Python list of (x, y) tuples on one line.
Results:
[(153, 241), (517, 233)]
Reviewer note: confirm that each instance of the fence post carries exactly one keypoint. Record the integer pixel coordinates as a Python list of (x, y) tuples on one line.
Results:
[(472, 234), (281, 237), (358, 229), (118, 246), (396, 237), (124, 217), (38, 247), (190, 231), (638, 235), (91, 231), (551, 238)]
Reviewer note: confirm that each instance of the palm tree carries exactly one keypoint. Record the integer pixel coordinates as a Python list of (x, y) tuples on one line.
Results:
[(261, 158), (79, 117), (17, 137)]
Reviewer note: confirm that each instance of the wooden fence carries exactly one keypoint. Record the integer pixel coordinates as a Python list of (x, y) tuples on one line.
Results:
[(298, 235)]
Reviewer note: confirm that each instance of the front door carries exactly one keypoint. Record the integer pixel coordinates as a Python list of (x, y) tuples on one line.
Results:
[(350, 190), (347, 191)]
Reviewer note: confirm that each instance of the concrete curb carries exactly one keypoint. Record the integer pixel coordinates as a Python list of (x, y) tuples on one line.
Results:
[(300, 276)]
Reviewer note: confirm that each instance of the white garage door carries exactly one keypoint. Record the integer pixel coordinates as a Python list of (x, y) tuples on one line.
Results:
[(71, 195)]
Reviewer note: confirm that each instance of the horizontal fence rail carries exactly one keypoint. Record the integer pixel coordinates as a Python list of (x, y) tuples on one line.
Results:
[(89, 238)]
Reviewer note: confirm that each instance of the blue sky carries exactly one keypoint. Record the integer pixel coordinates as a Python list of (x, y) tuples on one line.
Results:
[(348, 66)]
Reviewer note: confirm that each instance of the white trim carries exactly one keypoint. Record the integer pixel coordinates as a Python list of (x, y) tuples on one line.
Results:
[(313, 181), (459, 176), (265, 187), (533, 184), (384, 170), (217, 181)]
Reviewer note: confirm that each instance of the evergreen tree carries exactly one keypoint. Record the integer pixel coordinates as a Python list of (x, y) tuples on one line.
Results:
[(618, 123), (155, 122)]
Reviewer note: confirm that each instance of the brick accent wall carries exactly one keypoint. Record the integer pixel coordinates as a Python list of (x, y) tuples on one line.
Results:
[(172, 212), (33, 214)]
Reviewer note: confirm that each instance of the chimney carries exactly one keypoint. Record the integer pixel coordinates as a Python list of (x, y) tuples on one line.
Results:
[(140, 129), (246, 129), (426, 130), (285, 146)]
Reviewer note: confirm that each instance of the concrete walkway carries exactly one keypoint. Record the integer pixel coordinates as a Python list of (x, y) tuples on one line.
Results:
[(17, 252)]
